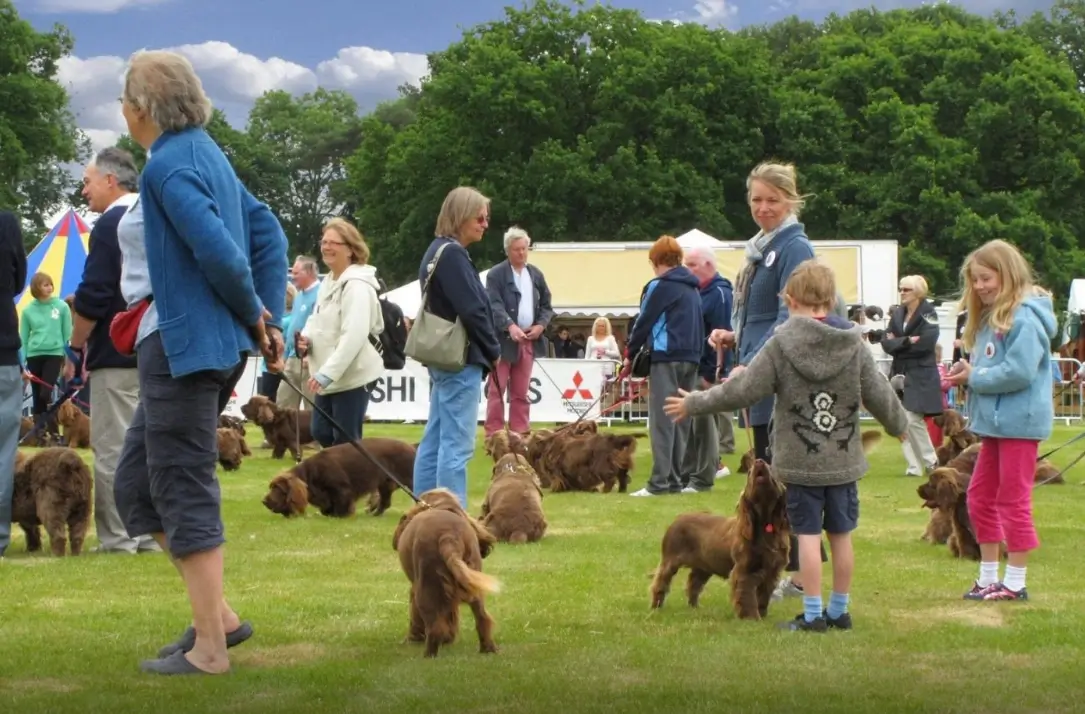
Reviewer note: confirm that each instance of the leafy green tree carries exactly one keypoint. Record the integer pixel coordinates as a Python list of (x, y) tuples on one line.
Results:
[(37, 131), (300, 146)]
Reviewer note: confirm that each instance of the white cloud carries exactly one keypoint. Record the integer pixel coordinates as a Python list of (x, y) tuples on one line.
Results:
[(101, 7), (714, 12), (235, 79)]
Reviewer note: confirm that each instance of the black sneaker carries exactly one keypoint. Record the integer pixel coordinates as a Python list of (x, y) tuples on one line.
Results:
[(1001, 592), (980, 592), (839, 623), (799, 624)]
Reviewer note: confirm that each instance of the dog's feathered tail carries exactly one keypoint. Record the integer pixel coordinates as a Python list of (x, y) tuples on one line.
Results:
[(474, 582), (871, 439)]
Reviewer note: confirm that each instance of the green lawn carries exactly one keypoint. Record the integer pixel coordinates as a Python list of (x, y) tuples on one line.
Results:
[(329, 605)]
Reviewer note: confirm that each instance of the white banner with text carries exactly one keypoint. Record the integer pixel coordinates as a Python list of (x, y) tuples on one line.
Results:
[(560, 391)]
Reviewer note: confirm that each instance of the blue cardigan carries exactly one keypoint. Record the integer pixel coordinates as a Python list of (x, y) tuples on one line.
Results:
[(216, 255)]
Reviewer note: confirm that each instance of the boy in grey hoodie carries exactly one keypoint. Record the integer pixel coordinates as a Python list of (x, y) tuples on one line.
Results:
[(822, 375)]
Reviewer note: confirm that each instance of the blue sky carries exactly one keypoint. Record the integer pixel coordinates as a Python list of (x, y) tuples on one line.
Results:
[(242, 48)]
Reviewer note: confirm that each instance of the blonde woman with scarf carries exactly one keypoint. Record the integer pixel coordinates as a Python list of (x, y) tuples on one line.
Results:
[(771, 255)]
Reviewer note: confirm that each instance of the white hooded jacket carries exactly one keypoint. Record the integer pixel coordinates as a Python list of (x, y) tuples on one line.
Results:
[(346, 313)]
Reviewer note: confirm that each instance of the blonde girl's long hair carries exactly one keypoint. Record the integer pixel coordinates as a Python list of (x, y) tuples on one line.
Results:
[(1017, 284), (606, 327)]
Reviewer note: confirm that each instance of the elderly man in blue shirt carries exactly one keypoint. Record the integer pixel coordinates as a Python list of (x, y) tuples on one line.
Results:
[(306, 279)]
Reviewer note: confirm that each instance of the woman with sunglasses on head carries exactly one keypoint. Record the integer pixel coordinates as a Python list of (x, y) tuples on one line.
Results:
[(910, 339)]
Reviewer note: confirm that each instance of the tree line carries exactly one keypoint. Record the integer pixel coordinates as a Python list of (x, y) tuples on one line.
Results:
[(934, 127)]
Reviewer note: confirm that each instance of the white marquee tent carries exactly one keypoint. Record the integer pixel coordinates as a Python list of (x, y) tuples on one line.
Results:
[(409, 297)]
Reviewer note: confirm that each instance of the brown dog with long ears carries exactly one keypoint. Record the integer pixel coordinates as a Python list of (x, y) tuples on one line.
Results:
[(335, 478), (750, 548), (441, 555), (513, 510), (53, 488), (76, 425), (231, 447), (590, 462), (282, 427)]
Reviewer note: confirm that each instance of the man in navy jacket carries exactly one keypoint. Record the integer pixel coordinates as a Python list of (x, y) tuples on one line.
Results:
[(12, 282), (110, 185), (712, 434)]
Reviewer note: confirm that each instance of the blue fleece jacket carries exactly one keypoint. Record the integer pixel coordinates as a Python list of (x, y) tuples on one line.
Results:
[(1009, 390), (670, 316), (216, 256), (716, 298)]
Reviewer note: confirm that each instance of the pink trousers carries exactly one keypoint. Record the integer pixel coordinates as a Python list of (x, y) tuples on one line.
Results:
[(1000, 493), (515, 379)]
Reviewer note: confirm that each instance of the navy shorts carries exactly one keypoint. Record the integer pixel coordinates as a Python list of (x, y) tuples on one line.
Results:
[(813, 509), (166, 480)]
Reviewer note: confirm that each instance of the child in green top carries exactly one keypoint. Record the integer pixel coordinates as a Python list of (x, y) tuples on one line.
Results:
[(45, 328)]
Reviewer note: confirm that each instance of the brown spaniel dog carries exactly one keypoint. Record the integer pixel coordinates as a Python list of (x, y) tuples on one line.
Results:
[(232, 447), (749, 548), (76, 425), (281, 426), (940, 526), (538, 445), (441, 555), (231, 422), (513, 510), (590, 462), (53, 489), (335, 478), (956, 434), (500, 443)]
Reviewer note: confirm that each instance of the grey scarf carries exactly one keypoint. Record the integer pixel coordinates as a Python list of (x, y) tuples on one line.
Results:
[(755, 249)]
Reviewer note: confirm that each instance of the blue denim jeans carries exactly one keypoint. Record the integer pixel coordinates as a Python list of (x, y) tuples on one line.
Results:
[(448, 441), (11, 412), (347, 408)]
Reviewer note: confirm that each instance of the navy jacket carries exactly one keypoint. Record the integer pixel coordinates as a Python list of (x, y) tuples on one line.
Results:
[(456, 291), (505, 305), (670, 316), (98, 296), (716, 299), (12, 282)]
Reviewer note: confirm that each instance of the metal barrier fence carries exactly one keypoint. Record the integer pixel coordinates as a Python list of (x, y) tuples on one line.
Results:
[(1068, 395)]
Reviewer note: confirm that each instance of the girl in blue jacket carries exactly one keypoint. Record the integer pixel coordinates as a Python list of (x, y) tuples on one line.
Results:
[(1008, 336)]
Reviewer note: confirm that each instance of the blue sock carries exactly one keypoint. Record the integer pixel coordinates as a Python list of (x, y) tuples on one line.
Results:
[(811, 607), (838, 604)]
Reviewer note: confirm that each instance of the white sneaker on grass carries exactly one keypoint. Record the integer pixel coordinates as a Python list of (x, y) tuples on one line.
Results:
[(723, 472), (641, 493), (785, 588)]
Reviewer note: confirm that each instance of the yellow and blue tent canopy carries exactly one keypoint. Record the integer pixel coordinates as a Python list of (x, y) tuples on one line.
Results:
[(60, 255)]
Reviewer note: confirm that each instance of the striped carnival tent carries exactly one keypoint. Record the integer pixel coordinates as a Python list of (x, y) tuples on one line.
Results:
[(60, 255)]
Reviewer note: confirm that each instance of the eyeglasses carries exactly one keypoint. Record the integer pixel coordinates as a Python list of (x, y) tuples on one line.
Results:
[(906, 290), (483, 220), (331, 242)]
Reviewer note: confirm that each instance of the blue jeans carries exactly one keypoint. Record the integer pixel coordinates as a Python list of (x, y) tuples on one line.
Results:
[(347, 408), (11, 412), (448, 441)]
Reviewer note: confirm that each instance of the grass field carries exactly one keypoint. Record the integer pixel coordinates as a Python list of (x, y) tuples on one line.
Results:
[(329, 605)]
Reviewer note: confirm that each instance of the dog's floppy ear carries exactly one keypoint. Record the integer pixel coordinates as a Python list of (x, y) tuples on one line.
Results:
[(745, 522), (265, 414), (297, 495)]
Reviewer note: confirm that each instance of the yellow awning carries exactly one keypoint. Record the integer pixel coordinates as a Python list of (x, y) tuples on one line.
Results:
[(610, 280)]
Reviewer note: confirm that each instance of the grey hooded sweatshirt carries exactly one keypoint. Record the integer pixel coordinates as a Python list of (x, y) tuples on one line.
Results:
[(822, 376)]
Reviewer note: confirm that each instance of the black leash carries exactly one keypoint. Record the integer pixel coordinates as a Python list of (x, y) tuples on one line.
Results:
[(355, 442), (44, 417), (1041, 457)]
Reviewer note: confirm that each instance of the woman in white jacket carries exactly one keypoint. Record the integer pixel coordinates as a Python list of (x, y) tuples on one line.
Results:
[(602, 345), (336, 341)]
